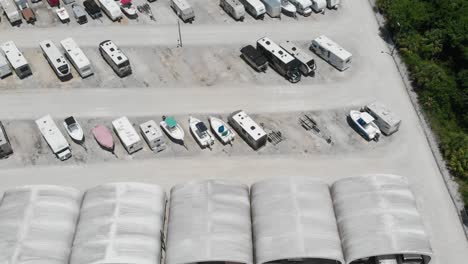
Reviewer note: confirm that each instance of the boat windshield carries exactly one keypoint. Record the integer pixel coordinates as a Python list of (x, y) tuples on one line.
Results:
[(171, 122), (73, 127), (362, 122)]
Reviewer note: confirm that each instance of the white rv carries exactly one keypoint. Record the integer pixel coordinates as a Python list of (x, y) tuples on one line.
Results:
[(127, 134), (245, 126), (17, 61), (11, 11), (153, 135), (319, 5), (54, 137), (303, 7), (55, 59), (183, 10), (233, 8), (333, 4), (115, 58), (308, 66), (112, 9), (77, 57), (255, 8), (331, 52), (5, 145), (387, 122), (272, 7), (4, 67)]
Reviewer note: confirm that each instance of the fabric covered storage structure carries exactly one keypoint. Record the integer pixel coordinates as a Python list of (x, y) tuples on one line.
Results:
[(209, 221), (120, 223), (37, 224), (293, 220), (377, 215)]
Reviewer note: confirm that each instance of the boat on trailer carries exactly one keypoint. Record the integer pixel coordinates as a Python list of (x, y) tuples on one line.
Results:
[(173, 129), (365, 125), (74, 129), (201, 133), (104, 137), (222, 130)]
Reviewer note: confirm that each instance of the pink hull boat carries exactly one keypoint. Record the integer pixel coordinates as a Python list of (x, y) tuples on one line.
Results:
[(104, 137)]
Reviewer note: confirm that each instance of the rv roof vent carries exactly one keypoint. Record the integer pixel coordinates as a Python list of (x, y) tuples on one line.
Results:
[(268, 42), (294, 48), (280, 52), (47, 45)]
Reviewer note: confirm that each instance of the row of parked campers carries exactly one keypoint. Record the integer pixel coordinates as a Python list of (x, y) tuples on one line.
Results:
[(16, 9)]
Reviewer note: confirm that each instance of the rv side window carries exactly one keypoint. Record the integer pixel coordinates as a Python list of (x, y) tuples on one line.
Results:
[(328, 54), (348, 60)]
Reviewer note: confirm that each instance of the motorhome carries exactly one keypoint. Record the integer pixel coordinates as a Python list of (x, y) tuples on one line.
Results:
[(272, 7), (115, 58), (387, 121), (333, 4), (283, 62), (56, 59), (303, 6), (255, 58), (255, 8), (331, 52), (153, 135), (77, 57), (17, 61), (112, 9), (5, 69), (92, 8), (319, 5), (234, 8), (127, 134), (54, 138), (11, 11), (5, 145), (308, 65), (249, 130), (183, 9)]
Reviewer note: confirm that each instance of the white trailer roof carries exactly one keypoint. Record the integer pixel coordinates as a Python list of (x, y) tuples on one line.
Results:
[(209, 221), (297, 52), (113, 51), (334, 48), (383, 112), (257, 4), (126, 131), (14, 56), (276, 50), (75, 53), (54, 54), (182, 4), (9, 7), (37, 223), (111, 6), (120, 223), (249, 125), (151, 130), (377, 215), (51, 132), (293, 218)]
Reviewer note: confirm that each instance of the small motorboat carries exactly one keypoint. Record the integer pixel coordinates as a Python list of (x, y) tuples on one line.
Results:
[(74, 129), (63, 15), (128, 9), (365, 125), (201, 133), (288, 8), (104, 137), (173, 129), (224, 133)]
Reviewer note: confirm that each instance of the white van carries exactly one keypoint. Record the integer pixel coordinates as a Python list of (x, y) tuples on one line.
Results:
[(77, 57), (388, 122), (112, 9), (55, 59), (255, 8), (17, 61), (233, 8), (4, 67), (331, 52)]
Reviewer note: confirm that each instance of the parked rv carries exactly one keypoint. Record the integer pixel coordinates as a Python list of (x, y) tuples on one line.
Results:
[(303, 6), (26, 11), (112, 9), (5, 145), (387, 122), (234, 8), (17, 61), (92, 8), (77, 57), (54, 137), (255, 58), (153, 135), (115, 58), (5, 69), (80, 14), (255, 8), (127, 134), (55, 59), (333, 4), (283, 62), (308, 65), (11, 12), (288, 9), (331, 52), (183, 10), (319, 5), (272, 7), (249, 130)]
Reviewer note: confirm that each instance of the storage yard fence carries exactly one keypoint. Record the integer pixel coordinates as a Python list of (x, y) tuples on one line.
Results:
[(355, 220)]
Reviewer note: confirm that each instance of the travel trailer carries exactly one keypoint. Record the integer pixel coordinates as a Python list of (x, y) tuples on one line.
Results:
[(183, 10), (4, 67), (234, 8), (11, 12), (254, 58), (77, 57), (153, 135), (5, 145), (308, 65), (333, 4), (331, 52), (303, 6), (127, 134), (115, 58), (54, 138), (80, 14), (112, 9), (272, 7), (55, 59), (319, 5), (279, 59), (388, 122), (248, 129), (255, 8), (17, 61)]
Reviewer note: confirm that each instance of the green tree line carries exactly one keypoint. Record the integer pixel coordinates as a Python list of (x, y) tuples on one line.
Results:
[(432, 37)]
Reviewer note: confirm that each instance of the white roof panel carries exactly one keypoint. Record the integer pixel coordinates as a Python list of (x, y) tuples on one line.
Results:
[(75, 53), (249, 125), (14, 56), (333, 47), (126, 131)]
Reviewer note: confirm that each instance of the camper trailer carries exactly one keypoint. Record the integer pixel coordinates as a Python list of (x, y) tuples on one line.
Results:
[(272, 7), (255, 58), (54, 138), (331, 52), (4, 67), (319, 5), (234, 8), (249, 130), (303, 7), (255, 8), (153, 135), (127, 134), (80, 14), (279, 59), (5, 145), (112, 9), (183, 10), (308, 66), (11, 12), (17, 61), (55, 59), (333, 4), (115, 58), (387, 122), (77, 57)]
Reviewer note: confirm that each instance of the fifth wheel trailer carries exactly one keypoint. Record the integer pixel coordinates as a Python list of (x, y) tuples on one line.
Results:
[(331, 52), (183, 9), (11, 11), (54, 137), (255, 8), (233, 8)]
